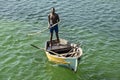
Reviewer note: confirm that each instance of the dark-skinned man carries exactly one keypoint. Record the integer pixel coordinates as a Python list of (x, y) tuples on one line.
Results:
[(53, 19)]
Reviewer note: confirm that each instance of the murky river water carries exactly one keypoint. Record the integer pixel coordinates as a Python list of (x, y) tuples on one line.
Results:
[(93, 23)]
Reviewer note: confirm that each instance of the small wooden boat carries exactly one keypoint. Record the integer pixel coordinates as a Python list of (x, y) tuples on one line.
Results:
[(64, 53)]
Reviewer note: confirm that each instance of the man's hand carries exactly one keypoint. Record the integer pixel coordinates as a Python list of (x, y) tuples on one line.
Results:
[(48, 26)]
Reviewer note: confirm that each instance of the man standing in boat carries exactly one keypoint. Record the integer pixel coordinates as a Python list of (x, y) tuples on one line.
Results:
[(53, 19)]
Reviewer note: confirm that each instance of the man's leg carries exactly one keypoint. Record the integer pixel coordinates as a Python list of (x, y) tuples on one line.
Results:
[(56, 31), (57, 36), (51, 35)]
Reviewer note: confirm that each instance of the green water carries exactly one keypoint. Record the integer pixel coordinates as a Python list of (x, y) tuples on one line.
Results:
[(95, 24)]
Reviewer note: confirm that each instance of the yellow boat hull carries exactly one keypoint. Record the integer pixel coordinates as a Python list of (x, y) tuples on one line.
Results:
[(56, 59)]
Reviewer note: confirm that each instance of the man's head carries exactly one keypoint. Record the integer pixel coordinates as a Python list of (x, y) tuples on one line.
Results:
[(52, 10)]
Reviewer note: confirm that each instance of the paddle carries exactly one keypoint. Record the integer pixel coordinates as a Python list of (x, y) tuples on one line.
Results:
[(44, 49), (43, 30)]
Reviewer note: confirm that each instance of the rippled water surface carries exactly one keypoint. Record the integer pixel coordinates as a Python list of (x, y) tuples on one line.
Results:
[(95, 24)]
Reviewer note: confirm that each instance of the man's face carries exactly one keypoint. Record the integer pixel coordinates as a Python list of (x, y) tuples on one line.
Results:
[(53, 10)]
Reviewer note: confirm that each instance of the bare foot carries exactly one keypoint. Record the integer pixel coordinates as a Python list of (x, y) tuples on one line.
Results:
[(50, 46)]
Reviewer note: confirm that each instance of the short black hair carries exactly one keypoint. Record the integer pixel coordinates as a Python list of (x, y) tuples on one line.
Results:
[(53, 8)]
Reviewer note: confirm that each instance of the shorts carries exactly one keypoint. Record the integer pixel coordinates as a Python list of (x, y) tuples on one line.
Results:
[(54, 28)]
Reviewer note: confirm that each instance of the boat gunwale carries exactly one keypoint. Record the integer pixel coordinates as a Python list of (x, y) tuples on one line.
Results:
[(62, 57)]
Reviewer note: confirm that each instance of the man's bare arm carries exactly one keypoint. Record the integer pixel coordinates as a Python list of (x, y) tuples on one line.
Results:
[(48, 21), (58, 18)]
